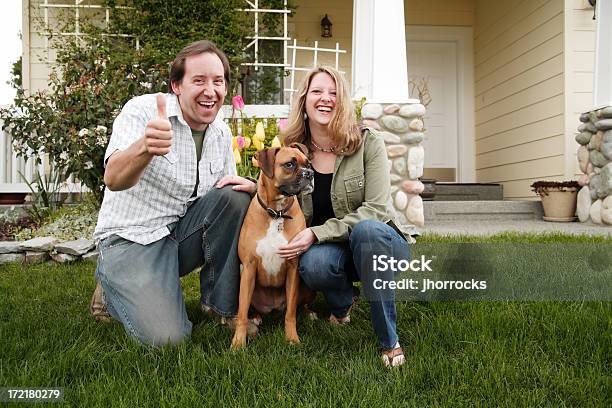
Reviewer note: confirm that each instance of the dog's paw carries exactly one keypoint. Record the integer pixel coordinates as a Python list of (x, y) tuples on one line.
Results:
[(238, 342), (292, 336)]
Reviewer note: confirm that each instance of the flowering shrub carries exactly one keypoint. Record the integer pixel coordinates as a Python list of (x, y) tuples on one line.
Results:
[(72, 120)]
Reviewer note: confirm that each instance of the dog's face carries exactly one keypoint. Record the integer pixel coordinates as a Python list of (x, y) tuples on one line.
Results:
[(288, 167)]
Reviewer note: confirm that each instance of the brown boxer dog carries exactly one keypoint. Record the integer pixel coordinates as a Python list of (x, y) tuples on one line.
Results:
[(274, 217)]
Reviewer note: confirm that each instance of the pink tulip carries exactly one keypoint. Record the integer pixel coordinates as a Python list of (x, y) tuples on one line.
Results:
[(282, 123), (240, 142), (238, 102)]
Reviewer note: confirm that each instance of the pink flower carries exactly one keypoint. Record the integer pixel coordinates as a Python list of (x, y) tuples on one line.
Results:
[(240, 142), (238, 103), (282, 123)]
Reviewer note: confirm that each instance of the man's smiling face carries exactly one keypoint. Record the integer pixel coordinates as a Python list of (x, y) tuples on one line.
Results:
[(202, 90)]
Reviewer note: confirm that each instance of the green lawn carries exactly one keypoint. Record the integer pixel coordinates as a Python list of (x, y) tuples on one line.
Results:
[(458, 353)]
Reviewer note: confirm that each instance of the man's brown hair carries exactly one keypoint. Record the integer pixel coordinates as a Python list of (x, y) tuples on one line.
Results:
[(177, 69)]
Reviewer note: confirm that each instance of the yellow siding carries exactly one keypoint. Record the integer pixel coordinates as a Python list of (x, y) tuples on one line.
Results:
[(305, 25), (519, 92)]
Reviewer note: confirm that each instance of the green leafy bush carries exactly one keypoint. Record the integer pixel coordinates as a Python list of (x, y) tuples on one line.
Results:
[(67, 223), (72, 120)]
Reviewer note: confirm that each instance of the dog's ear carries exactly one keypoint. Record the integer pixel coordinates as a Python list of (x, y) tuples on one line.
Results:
[(302, 148), (266, 159)]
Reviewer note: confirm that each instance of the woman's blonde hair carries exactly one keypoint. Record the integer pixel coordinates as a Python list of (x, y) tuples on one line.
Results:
[(342, 129)]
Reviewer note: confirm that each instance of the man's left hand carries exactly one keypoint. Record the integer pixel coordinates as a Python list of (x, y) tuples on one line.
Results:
[(239, 184)]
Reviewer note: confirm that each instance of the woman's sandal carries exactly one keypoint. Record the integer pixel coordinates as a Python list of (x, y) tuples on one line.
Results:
[(393, 358), (340, 321)]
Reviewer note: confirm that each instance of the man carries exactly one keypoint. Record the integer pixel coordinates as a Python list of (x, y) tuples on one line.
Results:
[(168, 207)]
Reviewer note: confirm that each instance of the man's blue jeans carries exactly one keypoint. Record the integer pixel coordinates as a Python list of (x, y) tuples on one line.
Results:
[(141, 283), (331, 268)]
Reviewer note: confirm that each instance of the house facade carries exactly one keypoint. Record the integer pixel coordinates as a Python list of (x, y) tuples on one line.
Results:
[(507, 80)]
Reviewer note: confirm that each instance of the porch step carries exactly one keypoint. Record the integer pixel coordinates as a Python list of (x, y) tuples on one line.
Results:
[(468, 192), (492, 210)]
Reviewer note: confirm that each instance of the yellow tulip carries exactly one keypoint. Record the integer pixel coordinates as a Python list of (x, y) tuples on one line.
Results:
[(234, 142), (258, 144), (247, 142), (260, 133), (237, 156), (275, 142)]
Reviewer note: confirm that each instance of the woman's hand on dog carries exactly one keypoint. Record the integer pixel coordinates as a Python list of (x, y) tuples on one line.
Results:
[(298, 245), (240, 184)]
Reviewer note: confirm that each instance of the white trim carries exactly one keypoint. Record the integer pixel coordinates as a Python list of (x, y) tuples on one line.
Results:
[(379, 63), (570, 123), (258, 111), (25, 46), (463, 37), (602, 78)]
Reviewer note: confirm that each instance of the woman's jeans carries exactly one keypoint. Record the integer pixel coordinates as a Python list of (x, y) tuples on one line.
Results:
[(141, 283), (331, 268)]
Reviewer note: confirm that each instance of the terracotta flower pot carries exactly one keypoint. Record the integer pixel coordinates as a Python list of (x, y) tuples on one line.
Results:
[(558, 199), (560, 205)]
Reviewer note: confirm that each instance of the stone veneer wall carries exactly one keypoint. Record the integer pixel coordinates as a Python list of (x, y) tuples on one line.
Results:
[(595, 159), (401, 126)]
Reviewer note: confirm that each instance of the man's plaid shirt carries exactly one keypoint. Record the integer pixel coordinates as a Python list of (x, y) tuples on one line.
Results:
[(163, 193)]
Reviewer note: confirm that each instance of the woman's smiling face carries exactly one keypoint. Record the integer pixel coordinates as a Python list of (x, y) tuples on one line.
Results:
[(321, 99)]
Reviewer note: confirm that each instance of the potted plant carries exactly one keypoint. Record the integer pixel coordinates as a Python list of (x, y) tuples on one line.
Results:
[(558, 199)]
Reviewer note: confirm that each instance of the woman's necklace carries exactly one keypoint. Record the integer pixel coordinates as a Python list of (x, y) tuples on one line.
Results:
[(330, 150)]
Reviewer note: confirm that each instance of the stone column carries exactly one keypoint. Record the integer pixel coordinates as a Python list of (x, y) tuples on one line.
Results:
[(595, 160), (380, 74)]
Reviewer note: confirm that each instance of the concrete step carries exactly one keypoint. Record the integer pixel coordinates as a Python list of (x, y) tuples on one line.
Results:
[(493, 210)]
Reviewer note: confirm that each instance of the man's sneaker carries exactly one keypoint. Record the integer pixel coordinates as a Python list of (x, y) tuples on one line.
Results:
[(97, 307)]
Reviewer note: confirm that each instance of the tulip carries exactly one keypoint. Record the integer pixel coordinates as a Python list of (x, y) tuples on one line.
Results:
[(282, 123), (236, 156), (240, 142), (258, 144), (238, 103), (234, 142), (275, 142), (260, 133), (247, 142)]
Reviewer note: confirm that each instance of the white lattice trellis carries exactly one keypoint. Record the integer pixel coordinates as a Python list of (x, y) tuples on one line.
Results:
[(255, 38), (292, 68), (77, 7)]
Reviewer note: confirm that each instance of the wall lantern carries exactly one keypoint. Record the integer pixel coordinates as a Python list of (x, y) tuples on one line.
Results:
[(592, 3), (326, 27)]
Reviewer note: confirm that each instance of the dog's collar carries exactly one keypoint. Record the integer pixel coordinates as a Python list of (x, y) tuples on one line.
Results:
[(282, 213)]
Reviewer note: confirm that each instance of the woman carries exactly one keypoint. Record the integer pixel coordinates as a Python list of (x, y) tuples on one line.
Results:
[(347, 211)]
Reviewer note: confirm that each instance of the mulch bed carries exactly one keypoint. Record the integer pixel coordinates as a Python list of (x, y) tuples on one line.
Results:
[(8, 229)]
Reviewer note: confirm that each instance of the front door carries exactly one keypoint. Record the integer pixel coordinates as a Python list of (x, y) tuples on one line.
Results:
[(434, 63)]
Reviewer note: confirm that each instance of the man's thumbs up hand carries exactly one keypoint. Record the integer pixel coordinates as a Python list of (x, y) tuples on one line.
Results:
[(161, 106), (158, 132)]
